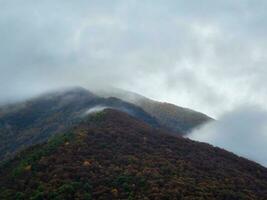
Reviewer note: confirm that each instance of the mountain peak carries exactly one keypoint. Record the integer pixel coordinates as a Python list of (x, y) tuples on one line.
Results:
[(74, 92)]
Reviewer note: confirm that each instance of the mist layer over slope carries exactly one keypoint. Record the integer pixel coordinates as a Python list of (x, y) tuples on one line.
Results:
[(242, 131), (37, 119), (174, 118)]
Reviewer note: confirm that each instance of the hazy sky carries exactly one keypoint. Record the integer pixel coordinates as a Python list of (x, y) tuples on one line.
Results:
[(207, 55)]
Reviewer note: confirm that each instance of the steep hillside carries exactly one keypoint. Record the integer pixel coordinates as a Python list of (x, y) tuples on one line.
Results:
[(112, 155), (175, 118), (34, 121)]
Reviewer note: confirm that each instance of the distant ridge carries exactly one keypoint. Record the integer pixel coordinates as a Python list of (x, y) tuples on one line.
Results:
[(172, 117), (36, 120)]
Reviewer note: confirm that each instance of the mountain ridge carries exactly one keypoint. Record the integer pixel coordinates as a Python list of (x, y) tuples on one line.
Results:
[(174, 118), (36, 120)]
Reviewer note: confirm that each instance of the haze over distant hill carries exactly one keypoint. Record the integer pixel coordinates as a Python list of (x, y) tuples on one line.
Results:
[(37, 119), (173, 117)]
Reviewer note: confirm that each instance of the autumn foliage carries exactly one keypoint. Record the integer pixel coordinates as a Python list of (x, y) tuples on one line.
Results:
[(111, 155)]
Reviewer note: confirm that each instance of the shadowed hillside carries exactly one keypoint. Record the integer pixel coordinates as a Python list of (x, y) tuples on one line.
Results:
[(36, 120), (112, 155)]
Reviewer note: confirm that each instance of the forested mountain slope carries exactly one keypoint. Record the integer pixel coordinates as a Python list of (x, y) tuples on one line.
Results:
[(111, 155)]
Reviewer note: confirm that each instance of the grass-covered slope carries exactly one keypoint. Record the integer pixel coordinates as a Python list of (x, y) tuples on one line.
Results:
[(112, 155), (175, 118)]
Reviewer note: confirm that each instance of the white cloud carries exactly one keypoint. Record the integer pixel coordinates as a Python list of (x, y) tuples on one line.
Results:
[(208, 55), (95, 109), (242, 131)]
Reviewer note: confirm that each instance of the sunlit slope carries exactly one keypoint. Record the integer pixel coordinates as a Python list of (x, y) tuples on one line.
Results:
[(175, 118)]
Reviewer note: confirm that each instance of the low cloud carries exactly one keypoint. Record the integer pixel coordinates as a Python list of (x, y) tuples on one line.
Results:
[(95, 109), (242, 131), (208, 55)]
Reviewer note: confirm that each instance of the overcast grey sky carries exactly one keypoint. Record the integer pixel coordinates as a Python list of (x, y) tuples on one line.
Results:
[(242, 131), (207, 55)]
